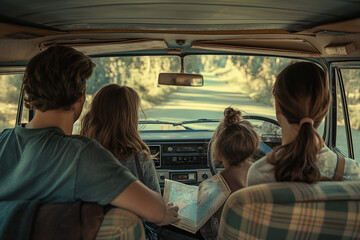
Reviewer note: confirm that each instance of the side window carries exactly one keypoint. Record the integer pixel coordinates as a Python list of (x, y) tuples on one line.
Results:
[(351, 79), (9, 97), (341, 139), (351, 83)]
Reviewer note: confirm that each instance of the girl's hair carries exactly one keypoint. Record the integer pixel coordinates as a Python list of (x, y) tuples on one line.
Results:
[(301, 91), (234, 139), (113, 121)]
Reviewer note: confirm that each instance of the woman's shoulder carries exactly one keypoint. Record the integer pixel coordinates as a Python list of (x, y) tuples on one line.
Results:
[(261, 165), (327, 162), (140, 156), (143, 157), (149, 171), (352, 170), (133, 159), (260, 172)]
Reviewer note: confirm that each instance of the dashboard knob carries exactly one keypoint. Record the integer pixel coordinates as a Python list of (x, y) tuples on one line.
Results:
[(200, 149), (205, 176), (170, 149), (162, 176)]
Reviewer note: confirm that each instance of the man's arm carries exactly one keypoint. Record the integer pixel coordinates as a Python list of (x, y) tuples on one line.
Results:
[(102, 179), (147, 204)]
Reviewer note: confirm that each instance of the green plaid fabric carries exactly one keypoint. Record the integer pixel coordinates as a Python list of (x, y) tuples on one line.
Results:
[(121, 224), (326, 210)]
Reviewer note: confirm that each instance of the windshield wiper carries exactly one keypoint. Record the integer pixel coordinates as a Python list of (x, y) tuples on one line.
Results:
[(182, 124), (155, 122), (165, 122), (201, 120)]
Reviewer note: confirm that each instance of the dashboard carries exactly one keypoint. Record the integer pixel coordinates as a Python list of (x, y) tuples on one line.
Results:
[(179, 155), (182, 155)]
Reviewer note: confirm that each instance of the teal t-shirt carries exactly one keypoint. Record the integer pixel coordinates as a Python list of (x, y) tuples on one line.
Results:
[(47, 165)]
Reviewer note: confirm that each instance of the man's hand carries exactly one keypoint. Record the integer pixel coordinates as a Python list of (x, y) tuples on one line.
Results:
[(171, 215)]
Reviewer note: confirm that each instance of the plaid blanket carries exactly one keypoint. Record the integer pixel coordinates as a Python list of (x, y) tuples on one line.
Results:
[(326, 210), (120, 224)]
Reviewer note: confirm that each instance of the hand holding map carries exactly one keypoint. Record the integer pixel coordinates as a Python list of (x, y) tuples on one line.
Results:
[(196, 203), (171, 215)]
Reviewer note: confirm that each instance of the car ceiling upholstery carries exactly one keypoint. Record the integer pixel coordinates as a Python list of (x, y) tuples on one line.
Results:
[(305, 27), (65, 15)]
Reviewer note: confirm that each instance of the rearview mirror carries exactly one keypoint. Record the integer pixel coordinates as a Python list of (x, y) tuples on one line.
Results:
[(181, 79)]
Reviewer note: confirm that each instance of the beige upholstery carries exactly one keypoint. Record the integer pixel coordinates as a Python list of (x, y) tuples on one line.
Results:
[(121, 224), (326, 210)]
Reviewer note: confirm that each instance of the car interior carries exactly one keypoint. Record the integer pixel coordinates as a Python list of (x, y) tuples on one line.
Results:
[(189, 60)]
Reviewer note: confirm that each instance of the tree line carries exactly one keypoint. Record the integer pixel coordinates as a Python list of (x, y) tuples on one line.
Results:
[(254, 75)]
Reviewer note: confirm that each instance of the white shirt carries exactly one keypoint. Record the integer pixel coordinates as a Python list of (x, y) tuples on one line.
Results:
[(263, 172)]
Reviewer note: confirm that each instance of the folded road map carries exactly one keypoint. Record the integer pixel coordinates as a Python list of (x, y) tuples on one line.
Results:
[(196, 203)]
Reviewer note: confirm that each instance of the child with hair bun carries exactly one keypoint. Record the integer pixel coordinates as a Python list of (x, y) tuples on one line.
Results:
[(233, 144)]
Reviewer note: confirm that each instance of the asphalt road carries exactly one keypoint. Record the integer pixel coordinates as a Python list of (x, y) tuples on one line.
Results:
[(208, 101)]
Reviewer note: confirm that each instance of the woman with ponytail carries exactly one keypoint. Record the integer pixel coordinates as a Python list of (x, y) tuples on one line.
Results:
[(302, 99)]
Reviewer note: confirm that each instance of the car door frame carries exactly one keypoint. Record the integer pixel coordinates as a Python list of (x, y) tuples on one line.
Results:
[(335, 76)]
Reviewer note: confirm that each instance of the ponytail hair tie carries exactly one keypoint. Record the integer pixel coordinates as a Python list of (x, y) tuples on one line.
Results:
[(304, 120)]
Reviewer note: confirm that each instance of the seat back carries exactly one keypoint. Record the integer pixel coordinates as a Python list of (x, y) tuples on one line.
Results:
[(325, 210), (121, 224)]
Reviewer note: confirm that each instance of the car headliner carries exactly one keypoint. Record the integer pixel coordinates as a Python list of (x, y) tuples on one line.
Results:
[(321, 28), (185, 15)]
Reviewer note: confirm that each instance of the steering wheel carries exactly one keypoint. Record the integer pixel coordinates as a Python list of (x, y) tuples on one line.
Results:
[(263, 149)]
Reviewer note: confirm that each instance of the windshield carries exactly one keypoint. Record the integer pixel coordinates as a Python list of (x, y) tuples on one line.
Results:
[(242, 82)]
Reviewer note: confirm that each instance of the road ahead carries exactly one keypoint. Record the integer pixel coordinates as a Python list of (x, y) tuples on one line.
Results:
[(209, 101)]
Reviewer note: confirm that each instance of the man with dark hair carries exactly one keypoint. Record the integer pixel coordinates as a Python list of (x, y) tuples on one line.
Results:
[(43, 161)]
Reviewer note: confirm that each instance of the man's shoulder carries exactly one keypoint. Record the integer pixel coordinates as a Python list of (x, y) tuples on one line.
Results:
[(6, 135), (54, 137), (6, 132), (82, 139), (54, 133), (86, 143)]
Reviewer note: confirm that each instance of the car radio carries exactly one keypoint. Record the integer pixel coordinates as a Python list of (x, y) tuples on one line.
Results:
[(183, 176), (184, 162), (192, 176), (192, 154)]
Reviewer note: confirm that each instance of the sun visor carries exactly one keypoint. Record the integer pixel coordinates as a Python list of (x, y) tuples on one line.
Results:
[(92, 47), (349, 26), (11, 69), (14, 31), (263, 45)]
